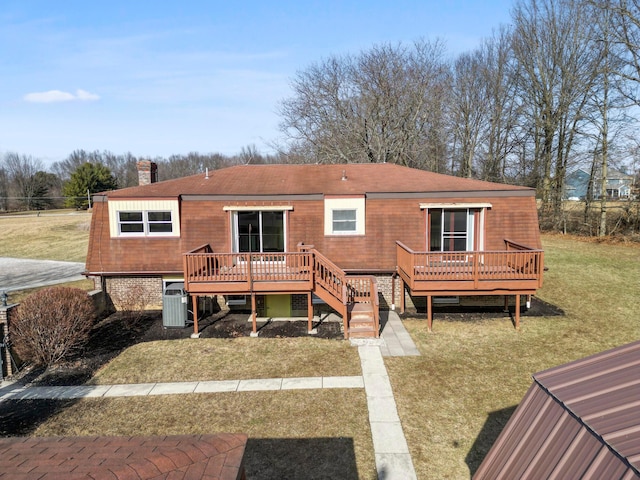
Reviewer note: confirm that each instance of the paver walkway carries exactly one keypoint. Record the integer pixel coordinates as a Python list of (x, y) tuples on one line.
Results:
[(396, 340)]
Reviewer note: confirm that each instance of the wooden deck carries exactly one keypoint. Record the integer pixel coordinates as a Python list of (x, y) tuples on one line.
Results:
[(307, 271), (517, 270)]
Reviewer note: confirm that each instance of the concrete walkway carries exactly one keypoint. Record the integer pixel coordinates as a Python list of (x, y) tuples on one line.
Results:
[(396, 340), (392, 457), (393, 460), (20, 392)]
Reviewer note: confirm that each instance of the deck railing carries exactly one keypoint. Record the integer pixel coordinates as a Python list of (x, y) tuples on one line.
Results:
[(201, 265), (516, 263)]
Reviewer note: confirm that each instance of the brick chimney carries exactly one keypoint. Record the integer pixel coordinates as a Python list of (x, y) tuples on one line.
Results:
[(147, 172)]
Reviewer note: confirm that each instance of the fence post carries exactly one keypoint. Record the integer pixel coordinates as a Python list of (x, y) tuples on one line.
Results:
[(5, 314)]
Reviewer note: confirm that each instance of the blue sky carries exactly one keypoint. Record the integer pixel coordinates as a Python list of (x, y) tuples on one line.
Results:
[(156, 78)]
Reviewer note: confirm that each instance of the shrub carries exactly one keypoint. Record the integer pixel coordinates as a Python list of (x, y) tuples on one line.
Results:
[(132, 306), (52, 324)]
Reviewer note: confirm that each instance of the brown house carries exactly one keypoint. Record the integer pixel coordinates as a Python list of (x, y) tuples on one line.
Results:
[(280, 236)]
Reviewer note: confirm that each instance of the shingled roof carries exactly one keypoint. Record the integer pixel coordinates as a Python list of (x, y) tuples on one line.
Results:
[(579, 420), (344, 179), (211, 457)]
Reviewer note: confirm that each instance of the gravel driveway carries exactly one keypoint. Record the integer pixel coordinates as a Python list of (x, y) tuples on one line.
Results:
[(19, 274)]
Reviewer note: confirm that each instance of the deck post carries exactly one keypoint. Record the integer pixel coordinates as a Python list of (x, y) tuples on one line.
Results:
[(517, 311), (194, 303), (429, 312), (402, 299), (309, 312), (393, 289), (254, 331)]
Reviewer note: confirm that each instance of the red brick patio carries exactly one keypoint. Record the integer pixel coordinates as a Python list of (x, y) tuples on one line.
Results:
[(212, 457)]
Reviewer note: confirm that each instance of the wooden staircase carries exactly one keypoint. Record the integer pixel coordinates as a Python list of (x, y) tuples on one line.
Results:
[(355, 297), (362, 322)]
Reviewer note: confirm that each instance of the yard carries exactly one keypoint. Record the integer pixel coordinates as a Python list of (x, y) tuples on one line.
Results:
[(453, 400)]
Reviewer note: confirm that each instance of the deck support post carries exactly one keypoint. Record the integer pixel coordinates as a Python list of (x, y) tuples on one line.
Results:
[(517, 316), (402, 294), (254, 330), (393, 290), (429, 312), (194, 303), (309, 312)]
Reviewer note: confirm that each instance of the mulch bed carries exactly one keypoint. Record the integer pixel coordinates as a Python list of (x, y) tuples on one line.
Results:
[(539, 308)]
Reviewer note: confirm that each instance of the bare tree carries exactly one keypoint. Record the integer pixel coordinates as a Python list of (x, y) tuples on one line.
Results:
[(24, 183), (558, 61), (624, 18), (503, 137), (384, 105), (4, 189), (468, 109)]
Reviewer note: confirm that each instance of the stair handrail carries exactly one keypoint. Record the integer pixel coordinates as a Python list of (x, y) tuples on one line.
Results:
[(337, 272)]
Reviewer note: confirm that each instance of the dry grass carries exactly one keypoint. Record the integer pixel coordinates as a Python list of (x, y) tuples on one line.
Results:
[(16, 296), (62, 236), (228, 359), (456, 397), (293, 434), (453, 400)]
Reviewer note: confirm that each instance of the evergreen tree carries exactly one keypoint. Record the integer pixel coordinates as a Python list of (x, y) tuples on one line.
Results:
[(88, 177)]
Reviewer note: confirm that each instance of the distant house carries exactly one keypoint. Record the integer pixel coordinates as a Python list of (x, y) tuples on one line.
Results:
[(619, 185), (579, 420), (277, 238)]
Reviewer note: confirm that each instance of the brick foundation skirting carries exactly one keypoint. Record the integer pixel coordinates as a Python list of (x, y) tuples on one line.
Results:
[(138, 293)]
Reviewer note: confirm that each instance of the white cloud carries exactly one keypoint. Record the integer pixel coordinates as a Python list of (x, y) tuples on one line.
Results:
[(52, 96)]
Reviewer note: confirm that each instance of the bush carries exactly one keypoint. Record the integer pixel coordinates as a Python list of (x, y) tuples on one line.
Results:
[(52, 324), (132, 306)]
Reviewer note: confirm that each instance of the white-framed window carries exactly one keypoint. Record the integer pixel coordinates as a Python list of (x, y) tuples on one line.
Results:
[(259, 231), (451, 230), (144, 218), (344, 221), (455, 227), (344, 216), (144, 223)]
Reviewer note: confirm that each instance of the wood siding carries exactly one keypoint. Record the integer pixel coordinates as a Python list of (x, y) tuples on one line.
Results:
[(387, 221)]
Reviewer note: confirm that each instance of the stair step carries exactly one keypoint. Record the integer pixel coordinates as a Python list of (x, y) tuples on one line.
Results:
[(361, 318), (361, 322), (361, 325), (369, 333), (358, 308)]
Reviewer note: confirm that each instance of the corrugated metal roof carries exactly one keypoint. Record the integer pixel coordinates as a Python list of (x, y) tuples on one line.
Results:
[(578, 420), (307, 179)]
